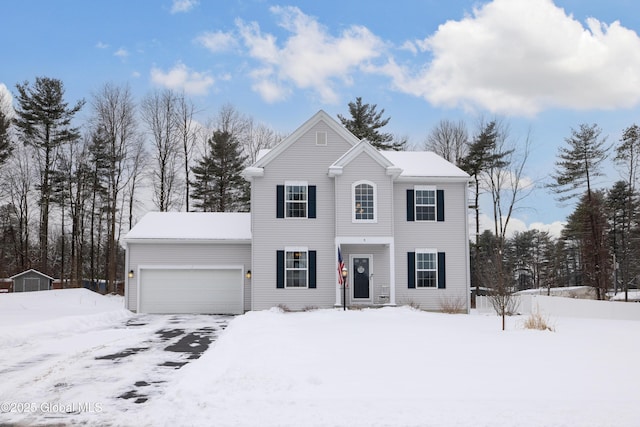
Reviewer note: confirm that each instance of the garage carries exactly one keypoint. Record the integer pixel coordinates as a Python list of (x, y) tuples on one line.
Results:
[(189, 262), (206, 290)]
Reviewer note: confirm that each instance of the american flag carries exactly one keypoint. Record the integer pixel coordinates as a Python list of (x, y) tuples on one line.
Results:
[(340, 267)]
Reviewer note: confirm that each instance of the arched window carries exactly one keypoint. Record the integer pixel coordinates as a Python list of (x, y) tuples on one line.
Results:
[(364, 201)]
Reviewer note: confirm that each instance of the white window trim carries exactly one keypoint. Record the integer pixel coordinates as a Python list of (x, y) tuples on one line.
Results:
[(319, 140), (296, 249), (425, 251), (353, 202), (415, 202), (306, 202)]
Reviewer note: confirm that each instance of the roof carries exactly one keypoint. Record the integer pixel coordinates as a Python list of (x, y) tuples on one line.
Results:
[(31, 271), (423, 164), (192, 226)]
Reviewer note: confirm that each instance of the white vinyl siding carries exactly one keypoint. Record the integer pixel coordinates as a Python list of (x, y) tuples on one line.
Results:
[(302, 159), (450, 237)]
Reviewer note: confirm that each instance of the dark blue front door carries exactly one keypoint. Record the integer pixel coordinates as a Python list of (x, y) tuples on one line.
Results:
[(360, 278)]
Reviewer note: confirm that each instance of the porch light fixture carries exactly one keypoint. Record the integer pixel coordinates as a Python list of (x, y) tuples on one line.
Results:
[(248, 274), (130, 274), (344, 288)]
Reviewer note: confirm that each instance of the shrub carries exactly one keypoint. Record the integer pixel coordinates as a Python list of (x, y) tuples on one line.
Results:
[(453, 305), (538, 321)]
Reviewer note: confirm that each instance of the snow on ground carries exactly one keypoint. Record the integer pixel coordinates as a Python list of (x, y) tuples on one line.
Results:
[(372, 367)]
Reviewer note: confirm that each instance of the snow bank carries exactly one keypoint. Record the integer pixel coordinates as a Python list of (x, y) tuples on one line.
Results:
[(24, 315)]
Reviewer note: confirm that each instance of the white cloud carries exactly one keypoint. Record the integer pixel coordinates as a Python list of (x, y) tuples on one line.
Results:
[(121, 53), (522, 56), (310, 58), (217, 41), (180, 77), (180, 6), (515, 225), (101, 45)]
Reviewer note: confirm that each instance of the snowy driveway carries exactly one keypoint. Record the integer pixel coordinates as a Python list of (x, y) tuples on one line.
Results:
[(64, 377)]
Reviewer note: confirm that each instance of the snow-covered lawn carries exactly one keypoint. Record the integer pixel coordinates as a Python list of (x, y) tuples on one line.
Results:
[(375, 367)]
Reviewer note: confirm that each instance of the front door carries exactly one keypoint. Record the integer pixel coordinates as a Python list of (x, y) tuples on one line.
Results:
[(361, 266)]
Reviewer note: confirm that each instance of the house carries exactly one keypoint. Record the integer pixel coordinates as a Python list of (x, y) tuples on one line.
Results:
[(31, 280), (397, 220)]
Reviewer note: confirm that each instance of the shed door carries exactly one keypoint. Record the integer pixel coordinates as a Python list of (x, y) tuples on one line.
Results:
[(210, 291)]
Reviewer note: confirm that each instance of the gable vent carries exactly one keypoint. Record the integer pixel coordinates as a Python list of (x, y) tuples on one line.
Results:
[(321, 138)]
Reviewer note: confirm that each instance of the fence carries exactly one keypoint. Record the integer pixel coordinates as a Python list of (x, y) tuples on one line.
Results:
[(568, 307)]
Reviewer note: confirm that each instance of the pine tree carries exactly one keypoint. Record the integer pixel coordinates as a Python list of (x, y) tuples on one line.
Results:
[(43, 120), (482, 155), (365, 123), (578, 165), (219, 185)]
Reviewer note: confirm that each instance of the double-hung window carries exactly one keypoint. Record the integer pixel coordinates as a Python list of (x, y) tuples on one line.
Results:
[(296, 199), (425, 203), (364, 201), (296, 268), (426, 269)]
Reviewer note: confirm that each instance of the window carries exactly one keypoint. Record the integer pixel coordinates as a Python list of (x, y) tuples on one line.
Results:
[(425, 204), (426, 270), (296, 200), (364, 201), (296, 268)]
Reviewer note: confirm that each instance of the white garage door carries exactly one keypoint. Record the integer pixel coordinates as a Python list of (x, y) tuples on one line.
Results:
[(215, 291)]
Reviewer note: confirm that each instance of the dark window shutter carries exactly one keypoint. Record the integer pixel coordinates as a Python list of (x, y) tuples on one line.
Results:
[(440, 201), (280, 270), (312, 269), (312, 201), (442, 273), (410, 205), (411, 270), (280, 201)]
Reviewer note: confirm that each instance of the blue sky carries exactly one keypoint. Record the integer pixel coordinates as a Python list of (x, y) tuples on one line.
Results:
[(541, 66)]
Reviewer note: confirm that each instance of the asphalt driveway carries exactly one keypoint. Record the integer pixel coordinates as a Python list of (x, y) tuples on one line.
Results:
[(119, 366)]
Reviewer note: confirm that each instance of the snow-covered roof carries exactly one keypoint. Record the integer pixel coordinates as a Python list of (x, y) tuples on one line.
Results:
[(192, 226), (31, 270), (423, 164)]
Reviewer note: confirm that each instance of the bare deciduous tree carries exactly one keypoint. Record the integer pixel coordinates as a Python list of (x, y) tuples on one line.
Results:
[(159, 113), (449, 140), (115, 125)]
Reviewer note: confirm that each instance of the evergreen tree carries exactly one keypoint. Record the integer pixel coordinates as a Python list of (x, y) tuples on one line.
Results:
[(219, 185), (482, 155), (588, 226), (43, 121), (365, 123), (576, 169)]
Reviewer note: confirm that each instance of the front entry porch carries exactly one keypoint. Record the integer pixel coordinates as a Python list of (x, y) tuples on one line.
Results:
[(370, 267)]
